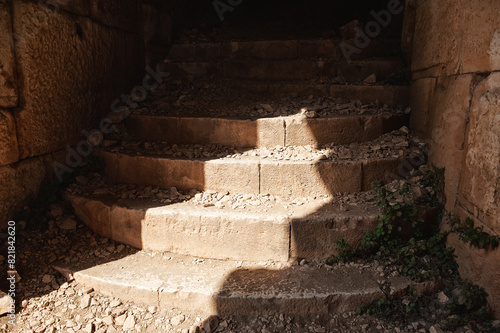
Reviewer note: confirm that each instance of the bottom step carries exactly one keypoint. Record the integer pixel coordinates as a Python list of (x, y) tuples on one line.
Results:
[(216, 287)]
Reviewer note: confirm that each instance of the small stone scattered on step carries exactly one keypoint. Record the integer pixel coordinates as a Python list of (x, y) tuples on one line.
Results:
[(67, 224), (177, 320), (371, 79), (5, 303)]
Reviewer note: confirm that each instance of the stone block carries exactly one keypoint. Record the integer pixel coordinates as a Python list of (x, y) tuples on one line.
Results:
[(309, 179), (448, 112), (211, 233), (165, 129), (269, 49), (8, 79), (436, 41), (317, 236), (148, 170), (237, 176), (384, 169), (322, 48), (9, 152), (228, 132), (479, 266), (122, 14), (480, 180), (18, 182), (421, 93), (481, 37), (339, 130), (270, 132)]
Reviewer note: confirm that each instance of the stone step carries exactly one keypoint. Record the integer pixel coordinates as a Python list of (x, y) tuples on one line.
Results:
[(259, 228), (288, 69), (213, 287), (264, 132), (386, 94), (278, 50), (278, 171)]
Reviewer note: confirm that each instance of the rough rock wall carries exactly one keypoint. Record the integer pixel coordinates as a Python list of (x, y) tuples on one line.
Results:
[(61, 66), (456, 106)]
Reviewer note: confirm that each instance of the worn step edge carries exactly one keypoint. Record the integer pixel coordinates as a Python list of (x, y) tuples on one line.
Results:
[(254, 175), (229, 288), (386, 94), (264, 132), (208, 232), (287, 69)]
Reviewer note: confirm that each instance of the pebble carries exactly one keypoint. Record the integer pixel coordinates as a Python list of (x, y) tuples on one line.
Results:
[(67, 224), (85, 301), (115, 303), (120, 320), (177, 320), (129, 323)]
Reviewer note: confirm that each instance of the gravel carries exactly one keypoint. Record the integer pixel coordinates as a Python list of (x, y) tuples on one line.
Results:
[(47, 302), (217, 97), (395, 144)]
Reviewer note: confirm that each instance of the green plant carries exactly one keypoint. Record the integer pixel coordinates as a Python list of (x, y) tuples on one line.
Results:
[(400, 238), (346, 253), (434, 180), (469, 305), (475, 236), (391, 307), (426, 259), (397, 212)]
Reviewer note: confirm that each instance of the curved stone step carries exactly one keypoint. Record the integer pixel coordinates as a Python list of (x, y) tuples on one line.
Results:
[(253, 174), (296, 69), (276, 50), (264, 132), (277, 231), (214, 287), (386, 94)]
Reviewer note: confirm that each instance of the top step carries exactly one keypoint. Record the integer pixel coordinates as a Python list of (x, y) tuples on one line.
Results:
[(282, 50)]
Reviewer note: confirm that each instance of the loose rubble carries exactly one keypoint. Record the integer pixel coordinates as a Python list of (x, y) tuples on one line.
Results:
[(48, 302), (216, 97), (395, 144), (99, 185)]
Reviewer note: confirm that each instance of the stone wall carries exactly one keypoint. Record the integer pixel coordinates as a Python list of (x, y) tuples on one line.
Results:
[(61, 66), (456, 107)]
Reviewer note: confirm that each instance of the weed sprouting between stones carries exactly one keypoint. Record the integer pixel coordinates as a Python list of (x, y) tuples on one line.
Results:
[(401, 237), (475, 236), (403, 242)]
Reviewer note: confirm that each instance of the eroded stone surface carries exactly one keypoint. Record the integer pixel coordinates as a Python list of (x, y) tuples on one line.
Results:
[(9, 152), (449, 109), (481, 38), (438, 50), (480, 183), (18, 183), (8, 80), (435, 48), (66, 85), (122, 14)]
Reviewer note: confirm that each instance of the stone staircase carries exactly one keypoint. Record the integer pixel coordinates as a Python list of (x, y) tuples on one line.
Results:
[(235, 214)]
